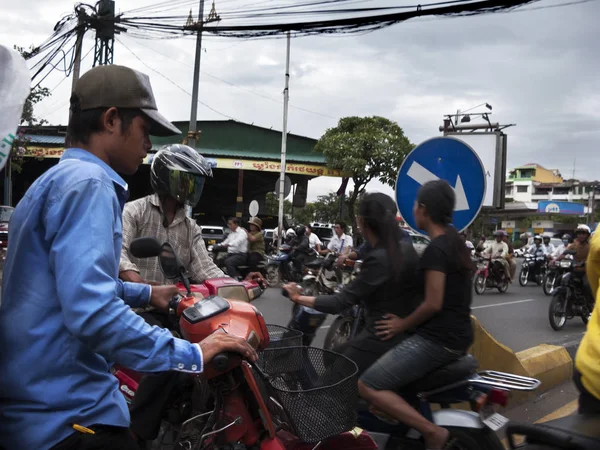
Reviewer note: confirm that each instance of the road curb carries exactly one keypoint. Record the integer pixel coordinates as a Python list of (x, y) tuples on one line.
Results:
[(551, 364)]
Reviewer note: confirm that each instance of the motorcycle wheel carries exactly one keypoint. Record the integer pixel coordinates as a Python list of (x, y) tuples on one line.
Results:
[(311, 289), (339, 333), (474, 439), (503, 286), (273, 275), (585, 317), (479, 284), (548, 283), (524, 277), (557, 306)]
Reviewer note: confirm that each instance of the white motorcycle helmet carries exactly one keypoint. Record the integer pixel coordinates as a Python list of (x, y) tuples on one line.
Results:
[(583, 229)]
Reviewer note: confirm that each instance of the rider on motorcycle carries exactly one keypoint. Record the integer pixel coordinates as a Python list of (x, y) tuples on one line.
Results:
[(538, 250), (256, 244), (580, 246), (499, 250), (177, 176), (386, 285), (559, 250), (587, 360), (510, 257), (301, 250), (441, 323), (549, 246), (236, 244)]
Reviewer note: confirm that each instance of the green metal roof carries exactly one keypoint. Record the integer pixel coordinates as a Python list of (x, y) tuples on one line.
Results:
[(228, 138)]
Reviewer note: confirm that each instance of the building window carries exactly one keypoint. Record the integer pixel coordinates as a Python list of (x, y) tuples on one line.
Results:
[(522, 189)]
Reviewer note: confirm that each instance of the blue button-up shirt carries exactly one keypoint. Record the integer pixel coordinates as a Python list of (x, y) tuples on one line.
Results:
[(64, 312)]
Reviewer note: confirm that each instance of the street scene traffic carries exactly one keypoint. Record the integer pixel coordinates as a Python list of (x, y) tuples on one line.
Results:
[(377, 229)]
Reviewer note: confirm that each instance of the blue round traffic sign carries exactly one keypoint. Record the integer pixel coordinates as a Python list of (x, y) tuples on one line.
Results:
[(448, 159)]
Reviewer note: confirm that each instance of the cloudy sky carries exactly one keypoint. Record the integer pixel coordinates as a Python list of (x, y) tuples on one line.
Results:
[(538, 69)]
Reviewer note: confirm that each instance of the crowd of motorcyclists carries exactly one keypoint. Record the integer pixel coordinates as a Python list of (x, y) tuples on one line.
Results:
[(76, 300)]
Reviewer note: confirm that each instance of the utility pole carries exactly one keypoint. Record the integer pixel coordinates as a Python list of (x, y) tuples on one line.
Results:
[(80, 32), (191, 137), (286, 97)]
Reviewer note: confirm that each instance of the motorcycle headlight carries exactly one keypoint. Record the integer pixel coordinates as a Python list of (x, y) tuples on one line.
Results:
[(565, 264)]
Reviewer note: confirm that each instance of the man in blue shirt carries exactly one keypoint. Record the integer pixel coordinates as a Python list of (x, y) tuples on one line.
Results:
[(64, 313)]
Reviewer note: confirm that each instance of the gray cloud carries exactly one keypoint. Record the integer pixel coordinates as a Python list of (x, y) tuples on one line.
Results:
[(538, 69)]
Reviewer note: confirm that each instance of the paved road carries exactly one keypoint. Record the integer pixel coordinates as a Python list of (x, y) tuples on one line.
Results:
[(517, 318)]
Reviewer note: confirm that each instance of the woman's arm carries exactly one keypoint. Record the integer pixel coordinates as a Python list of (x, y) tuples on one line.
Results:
[(373, 274)]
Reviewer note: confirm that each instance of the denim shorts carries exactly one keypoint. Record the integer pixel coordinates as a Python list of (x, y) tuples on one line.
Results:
[(407, 362)]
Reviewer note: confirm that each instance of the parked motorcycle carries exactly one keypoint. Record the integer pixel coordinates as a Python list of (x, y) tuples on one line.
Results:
[(528, 269), (571, 298), (490, 275), (458, 382), (577, 432), (270, 405)]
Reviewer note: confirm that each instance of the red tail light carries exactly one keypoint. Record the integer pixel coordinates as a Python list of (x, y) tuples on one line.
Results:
[(498, 397)]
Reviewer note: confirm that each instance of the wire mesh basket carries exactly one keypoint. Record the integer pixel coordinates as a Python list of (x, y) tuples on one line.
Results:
[(317, 389), (283, 337)]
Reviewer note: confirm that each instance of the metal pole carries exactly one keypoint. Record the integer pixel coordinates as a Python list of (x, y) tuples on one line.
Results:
[(196, 86), (78, 45), (286, 97)]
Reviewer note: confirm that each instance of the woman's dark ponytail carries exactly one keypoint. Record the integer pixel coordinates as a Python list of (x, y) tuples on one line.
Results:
[(459, 248), (379, 215)]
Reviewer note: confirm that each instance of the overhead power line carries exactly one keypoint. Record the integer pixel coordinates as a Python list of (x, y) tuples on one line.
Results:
[(250, 91)]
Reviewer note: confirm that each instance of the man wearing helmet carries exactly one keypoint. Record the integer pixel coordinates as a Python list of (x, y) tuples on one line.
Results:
[(538, 250), (177, 176), (560, 249), (580, 246)]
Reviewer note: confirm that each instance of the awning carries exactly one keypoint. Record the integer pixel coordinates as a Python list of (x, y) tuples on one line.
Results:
[(310, 170)]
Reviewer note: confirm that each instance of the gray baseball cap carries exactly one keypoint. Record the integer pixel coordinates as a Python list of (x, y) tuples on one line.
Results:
[(122, 87)]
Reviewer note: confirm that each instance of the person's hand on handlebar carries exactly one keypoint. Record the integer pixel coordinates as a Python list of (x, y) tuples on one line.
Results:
[(222, 342), (161, 295)]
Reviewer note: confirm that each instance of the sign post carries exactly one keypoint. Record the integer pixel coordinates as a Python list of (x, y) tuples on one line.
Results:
[(448, 159)]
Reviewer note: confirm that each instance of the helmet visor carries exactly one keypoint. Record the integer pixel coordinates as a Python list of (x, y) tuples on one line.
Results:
[(186, 187)]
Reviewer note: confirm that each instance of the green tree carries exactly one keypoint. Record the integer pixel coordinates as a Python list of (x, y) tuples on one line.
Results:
[(327, 208), (304, 215), (272, 205), (365, 148), (28, 121), (299, 215)]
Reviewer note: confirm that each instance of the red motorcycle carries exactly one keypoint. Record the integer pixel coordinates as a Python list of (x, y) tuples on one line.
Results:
[(490, 275), (244, 291), (296, 398)]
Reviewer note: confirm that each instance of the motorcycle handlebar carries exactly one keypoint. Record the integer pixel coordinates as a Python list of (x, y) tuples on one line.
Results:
[(221, 361)]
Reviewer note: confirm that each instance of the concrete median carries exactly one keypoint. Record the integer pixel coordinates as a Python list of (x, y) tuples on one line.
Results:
[(551, 364)]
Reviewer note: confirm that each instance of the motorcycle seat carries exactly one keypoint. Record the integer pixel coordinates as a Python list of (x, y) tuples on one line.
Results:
[(453, 372), (314, 264), (569, 433)]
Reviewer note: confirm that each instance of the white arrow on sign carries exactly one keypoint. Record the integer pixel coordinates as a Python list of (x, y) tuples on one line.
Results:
[(421, 175)]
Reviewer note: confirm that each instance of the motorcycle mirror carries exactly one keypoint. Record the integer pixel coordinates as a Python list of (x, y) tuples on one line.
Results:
[(171, 266), (144, 247)]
